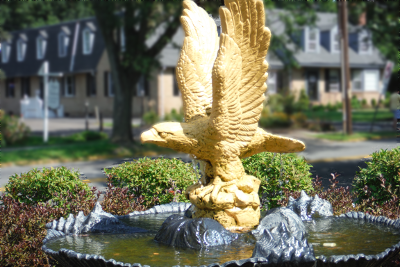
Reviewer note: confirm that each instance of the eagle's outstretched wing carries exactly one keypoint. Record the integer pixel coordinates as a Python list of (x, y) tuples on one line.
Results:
[(239, 73), (198, 53)]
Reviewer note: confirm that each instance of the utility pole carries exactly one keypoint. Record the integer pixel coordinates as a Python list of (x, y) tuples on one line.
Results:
[(345, 70)]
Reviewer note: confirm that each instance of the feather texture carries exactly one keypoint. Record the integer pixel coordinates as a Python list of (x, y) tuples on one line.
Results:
[(193, 71)]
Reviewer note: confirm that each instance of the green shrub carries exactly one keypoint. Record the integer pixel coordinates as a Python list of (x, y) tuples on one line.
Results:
[(339, 105), (275, 102), (12, 131), (299, 120), (150, 117), (88, 136), (317, 108), (355, 103), (163, 178), (292, 175), (38, 186), (174, 116), (363, 103), (303, 103), (373, 102), (276, 119), (331, 107), (383, 171)]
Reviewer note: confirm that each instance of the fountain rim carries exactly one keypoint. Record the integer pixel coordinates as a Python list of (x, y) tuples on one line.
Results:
[(181, 206)]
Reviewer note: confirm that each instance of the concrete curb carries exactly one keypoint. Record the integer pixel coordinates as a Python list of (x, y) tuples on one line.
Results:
[(339, 159)]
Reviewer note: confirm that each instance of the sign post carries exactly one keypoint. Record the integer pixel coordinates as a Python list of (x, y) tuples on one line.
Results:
[(54, 101), (386, 78)]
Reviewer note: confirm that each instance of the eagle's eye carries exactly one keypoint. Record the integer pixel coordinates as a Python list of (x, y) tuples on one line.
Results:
[(163, 134)]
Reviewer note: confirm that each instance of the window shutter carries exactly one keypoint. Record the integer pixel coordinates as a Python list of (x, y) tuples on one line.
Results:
[(73, 85), (105, 83), (62, 81), (326, 80), (340, 80), (7, 85), (87, 84)]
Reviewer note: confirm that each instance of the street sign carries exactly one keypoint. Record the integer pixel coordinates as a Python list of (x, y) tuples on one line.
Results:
[(53, 97)]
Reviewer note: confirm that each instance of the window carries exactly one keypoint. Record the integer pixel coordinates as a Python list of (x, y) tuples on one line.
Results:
[(371, 80), (108, 84), (356, 80), (334, 81), (40, 47), (69, 86), (175, 85), (271, 82), (5, 52), (335, 40), (10, 88), (63, 42), (312, 40), (90, 85), (87, 41), (364, 43), (25, 86), (21, 49), (142, 87), (122, 38)]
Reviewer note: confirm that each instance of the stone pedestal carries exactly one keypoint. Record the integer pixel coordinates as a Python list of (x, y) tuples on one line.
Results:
[(234, 204)]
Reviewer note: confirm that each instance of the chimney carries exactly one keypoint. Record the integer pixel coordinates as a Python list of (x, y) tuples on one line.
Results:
[(362, 19)]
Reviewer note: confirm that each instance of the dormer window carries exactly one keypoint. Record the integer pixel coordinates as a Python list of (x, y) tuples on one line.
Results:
[(312, 40), (21, 49), (5, 51), (41, 44), (335, 40), (364, 43), (63, 42), (87, 41)]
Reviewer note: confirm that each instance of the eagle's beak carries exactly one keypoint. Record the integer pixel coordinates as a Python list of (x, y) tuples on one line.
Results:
[(151, 136)]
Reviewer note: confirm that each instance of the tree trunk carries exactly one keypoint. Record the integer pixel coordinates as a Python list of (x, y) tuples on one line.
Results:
[(122, 112)]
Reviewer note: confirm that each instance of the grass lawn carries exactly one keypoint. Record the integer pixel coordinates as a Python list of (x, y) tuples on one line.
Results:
[(357, 115), (59, 151), (356, 136)]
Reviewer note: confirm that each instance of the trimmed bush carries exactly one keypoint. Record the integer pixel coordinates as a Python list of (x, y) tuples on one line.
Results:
[(174, 116), (381, 178), (276, 119), (12, 131), (56, 184), (299, 120), (163, 178), (355, 103), (293, 175), (303, 103), (150, 117), (88, 136)]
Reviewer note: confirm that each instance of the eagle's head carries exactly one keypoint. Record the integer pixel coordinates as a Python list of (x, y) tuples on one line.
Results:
[(174, 135)]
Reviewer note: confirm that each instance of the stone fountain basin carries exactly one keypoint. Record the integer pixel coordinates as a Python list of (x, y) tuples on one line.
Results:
[(334, 243)]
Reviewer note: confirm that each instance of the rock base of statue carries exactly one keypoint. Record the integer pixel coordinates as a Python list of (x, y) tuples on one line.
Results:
[(234, 204)]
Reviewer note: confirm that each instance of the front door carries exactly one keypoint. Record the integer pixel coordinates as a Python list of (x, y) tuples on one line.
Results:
[(312, 84)]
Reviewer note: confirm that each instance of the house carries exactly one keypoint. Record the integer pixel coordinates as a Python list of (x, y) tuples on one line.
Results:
[(76, 50), (318, 57)]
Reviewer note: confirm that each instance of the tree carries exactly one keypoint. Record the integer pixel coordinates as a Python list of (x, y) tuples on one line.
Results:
[(16, 15), (138, 20), (382, 19)]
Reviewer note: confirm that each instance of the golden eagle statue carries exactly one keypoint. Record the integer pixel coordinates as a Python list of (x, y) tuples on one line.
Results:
[(223, 81)]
